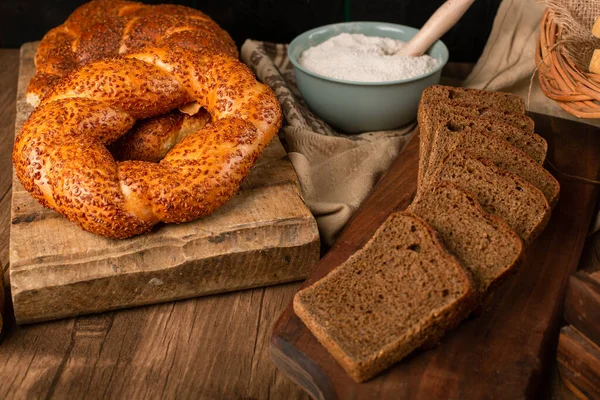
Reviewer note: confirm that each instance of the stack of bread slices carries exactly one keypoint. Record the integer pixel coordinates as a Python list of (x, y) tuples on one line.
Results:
[(482, 197)]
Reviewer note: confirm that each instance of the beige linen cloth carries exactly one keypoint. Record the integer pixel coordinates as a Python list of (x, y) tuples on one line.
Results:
[(337, 171)]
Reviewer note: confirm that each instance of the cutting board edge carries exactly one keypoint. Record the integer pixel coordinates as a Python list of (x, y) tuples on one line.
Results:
[(306, 236), (279, 351), (303, 257), (299, 219)]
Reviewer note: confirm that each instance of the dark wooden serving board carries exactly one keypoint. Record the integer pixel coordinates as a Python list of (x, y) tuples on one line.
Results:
[(505, 352)]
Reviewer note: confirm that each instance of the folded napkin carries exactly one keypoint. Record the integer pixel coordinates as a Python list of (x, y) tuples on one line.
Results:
[(336, 171)]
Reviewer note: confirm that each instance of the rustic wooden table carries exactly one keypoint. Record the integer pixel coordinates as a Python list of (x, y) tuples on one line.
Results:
[(211, 347)]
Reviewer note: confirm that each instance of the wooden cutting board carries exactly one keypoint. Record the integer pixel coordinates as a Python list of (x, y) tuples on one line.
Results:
[(505, 352), (264, 236)]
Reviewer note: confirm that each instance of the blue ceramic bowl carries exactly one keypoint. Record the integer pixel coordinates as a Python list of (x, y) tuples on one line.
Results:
[(357, 107)]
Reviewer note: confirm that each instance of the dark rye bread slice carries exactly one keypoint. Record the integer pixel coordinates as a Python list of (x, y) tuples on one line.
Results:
[(387, 299), (470, 136), (435, 115), (438, 115), (482, 98), (482, 243), (430, 112), (430, 115), (519, 121), (520, 204)]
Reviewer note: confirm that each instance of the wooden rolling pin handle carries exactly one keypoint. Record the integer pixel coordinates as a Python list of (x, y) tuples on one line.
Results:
[(439, 23)]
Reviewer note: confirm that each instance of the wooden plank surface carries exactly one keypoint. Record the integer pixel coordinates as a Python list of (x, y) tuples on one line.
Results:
[(264, 235), (9, 67), (507, 351), (208, 347), (34, 358), (9, 71), (578, 360), (582, 304)]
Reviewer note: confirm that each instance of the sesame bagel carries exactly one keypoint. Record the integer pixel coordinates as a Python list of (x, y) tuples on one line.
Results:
[(60, 154), (106, 28)]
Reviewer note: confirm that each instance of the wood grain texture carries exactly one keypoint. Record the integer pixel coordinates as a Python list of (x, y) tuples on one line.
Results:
[(265, 235), (184, 349), (503, 353), (582, 304), (8, 80), (209, 348), (9, 68), (578, 361)]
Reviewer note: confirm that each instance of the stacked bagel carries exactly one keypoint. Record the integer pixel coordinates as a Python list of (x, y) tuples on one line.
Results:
[(117, 62)]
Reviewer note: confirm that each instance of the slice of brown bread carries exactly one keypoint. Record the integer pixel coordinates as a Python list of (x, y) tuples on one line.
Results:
[(437, 115), (431, 112), (482, 98), (387, 299), (518, 121), (460, 134), (520, 204), (492, 120), (482, 243)]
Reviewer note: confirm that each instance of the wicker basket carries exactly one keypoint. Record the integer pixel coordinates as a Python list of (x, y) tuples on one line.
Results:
[(575, 91)]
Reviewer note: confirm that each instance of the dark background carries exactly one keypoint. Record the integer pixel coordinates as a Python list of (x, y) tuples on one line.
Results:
[(272, 20)]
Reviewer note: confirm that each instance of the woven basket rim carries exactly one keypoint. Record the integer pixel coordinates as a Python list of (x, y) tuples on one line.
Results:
[(575, 91)]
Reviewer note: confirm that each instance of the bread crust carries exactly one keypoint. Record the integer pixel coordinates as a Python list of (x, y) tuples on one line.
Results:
[(108, 28), (460, 95), (317, 305), (151, 139)]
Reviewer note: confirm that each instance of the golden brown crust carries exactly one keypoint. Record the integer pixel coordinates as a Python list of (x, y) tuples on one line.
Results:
[(151, 139), (107, 28), (61, 158)]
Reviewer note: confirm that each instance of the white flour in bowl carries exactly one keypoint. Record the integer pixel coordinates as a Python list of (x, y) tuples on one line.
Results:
[(360, 58)]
